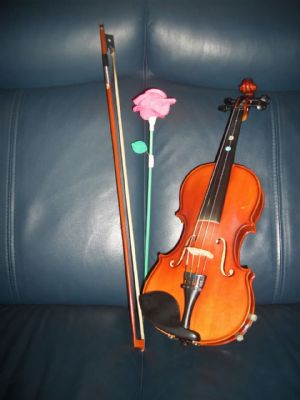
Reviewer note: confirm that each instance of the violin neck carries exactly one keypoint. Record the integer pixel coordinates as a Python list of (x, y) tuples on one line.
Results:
[(215, 196)]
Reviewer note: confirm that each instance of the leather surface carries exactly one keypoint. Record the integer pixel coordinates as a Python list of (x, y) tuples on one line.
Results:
[(211, 44), (216, 43), (191, 135), (57, 43), (286, 176), (58, 182), (264, 366), (60, 238), (8, 101), (65, 352), (84, 352)]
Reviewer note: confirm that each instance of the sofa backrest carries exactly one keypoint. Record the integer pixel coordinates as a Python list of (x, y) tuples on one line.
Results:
[(60, 239)]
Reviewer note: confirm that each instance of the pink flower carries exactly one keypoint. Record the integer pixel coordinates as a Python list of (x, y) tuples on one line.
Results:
[(153, 103)]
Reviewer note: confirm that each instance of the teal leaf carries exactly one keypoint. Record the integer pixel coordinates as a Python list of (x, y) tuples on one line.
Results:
[(139, 147)]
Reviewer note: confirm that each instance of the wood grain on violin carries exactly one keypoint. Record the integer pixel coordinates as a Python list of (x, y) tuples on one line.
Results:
[(198, 292)]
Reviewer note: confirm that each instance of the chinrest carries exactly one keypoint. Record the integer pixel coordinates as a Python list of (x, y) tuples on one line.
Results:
[(162, 310)]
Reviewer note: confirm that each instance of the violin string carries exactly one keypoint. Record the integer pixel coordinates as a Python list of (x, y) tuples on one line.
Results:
[(219, 182), (223, 169), (208, 249), (208, 222), (187, 263), (194, 235)]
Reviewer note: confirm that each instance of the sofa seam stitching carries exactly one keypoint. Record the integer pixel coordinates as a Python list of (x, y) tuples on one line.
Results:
[(7, 189), (277, 206), (10, 201), (280, 198)]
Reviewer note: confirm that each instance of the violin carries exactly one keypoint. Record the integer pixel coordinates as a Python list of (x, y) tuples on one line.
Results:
[(198, 292)]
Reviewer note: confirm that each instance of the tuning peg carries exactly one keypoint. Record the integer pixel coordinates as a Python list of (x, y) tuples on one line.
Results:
[(263, 102), (223, 107), (229, 101), (260, 103), (265, 99)]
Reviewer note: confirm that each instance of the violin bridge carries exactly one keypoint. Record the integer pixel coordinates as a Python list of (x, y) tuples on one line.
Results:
[(195, 251)]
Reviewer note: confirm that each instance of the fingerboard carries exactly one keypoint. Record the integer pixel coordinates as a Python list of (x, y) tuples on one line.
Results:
[(212, 206)]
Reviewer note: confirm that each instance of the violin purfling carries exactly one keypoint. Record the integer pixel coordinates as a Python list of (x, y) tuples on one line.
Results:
[(198, 292)]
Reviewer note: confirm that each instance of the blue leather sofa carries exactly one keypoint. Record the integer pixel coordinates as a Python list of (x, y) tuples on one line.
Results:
[(64, 323)]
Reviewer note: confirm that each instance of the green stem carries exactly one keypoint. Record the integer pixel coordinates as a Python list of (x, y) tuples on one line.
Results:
[(148, 215)]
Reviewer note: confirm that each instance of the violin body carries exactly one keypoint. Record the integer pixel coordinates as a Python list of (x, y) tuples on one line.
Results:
[(224, 309)]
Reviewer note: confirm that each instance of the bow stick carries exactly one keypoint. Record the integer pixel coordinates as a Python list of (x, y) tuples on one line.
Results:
[(128, 249)]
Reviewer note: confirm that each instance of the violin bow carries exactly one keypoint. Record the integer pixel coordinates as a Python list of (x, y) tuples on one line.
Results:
[(107, 42)]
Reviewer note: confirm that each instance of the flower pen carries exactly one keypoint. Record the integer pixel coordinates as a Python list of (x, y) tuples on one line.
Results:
[(152, 104)]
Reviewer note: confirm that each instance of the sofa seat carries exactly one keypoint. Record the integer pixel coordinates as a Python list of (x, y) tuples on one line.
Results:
[(85, 352), (67, 352)]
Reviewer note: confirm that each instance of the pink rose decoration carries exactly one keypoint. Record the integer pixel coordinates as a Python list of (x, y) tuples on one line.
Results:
[(153, 103)]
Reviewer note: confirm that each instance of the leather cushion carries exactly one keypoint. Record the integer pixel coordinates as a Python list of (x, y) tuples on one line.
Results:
[(57, 43), (217, 42), (60, 240), (67, 352), (264, 366)]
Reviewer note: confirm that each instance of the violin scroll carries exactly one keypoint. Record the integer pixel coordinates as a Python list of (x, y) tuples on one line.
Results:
[(248, 88)]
